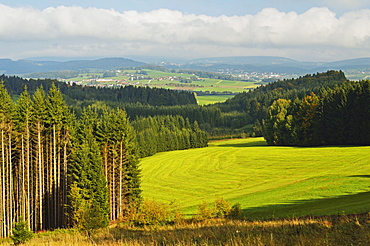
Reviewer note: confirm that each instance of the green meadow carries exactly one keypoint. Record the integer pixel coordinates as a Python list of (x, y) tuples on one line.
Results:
[(165, 80), (204, 100), (267, 181)]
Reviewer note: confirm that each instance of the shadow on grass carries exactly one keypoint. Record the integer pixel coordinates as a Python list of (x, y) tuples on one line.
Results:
[(262, 143), (338, 229), (359, 176), (345, 204)]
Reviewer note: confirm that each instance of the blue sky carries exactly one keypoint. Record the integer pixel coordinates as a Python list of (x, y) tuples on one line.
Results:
[(316, 30), (207, 7)]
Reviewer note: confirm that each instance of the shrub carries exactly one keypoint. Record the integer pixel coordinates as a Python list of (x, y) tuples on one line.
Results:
[(235, 211), (204, 212), (21, 232), (222, 208), (153, 213)]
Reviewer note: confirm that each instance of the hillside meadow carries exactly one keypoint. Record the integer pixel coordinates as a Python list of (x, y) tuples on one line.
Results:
[(211, 99), (268, 182), (315, 191)]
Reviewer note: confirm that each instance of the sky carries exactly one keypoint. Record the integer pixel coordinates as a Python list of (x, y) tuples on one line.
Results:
[(316, 30)]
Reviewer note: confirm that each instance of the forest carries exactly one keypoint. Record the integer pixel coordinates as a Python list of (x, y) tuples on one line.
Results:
[(338, 116), (59, 169), (70, 154)]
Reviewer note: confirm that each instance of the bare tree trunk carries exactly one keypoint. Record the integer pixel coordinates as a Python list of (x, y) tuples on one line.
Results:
[(120, 209), (114, 188), (55, 187), (11, 193), (40, 178), (29, 202), (3, 189)]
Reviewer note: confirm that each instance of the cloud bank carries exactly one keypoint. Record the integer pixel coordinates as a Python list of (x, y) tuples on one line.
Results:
[(80, 31)]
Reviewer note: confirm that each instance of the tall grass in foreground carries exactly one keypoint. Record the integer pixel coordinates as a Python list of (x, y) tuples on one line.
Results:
[(327, 230)]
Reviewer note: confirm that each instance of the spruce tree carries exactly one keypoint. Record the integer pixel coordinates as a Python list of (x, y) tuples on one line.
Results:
[(23, 117), (91, 193)]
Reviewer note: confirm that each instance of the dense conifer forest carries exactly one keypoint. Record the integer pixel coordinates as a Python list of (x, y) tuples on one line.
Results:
[(60, 168), (338, 116), (57, 169)]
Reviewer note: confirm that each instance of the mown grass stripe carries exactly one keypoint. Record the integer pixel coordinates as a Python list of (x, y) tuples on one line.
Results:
[(260, 177)]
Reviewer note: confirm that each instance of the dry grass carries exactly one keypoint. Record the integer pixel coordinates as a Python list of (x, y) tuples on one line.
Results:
[(330, 230)]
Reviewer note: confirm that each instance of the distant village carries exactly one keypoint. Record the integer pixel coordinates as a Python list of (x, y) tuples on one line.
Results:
[(137, 79)]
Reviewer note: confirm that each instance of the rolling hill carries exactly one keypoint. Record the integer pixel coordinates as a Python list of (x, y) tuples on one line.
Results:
[(8, 66), (267, 181), (261, 64)]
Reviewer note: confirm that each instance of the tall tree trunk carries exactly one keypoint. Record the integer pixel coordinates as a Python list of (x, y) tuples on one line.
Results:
[(120, 208), (3, 187)]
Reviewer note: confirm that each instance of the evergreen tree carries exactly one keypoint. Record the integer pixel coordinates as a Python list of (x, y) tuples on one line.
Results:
[(6, 158), (90, 191), (119, 150), (23, 118)]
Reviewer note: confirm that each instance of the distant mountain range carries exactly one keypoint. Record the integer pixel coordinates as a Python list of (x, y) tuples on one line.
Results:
[(217, 64), (276, 64), (8, 66)]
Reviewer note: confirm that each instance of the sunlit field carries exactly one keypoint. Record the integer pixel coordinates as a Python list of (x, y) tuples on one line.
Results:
[(204, 100), (267, 181)]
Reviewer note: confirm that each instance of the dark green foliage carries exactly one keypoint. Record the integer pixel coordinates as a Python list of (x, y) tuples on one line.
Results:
[(127, 94), (256, 102), (116, 132), (88, 175), (21, 232), (235, 211), (339, 116), (165, 133)]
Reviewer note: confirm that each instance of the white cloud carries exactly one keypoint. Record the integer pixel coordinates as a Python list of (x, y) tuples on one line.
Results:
[(82, 31)]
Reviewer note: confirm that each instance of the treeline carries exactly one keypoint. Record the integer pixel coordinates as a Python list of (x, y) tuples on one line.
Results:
[(255, 102), (337, 116), (165, 133), (57, 170), (233, 117), (128, 94)]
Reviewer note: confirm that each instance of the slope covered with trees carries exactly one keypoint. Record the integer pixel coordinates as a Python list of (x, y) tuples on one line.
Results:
[(128, 94), (165, 133), (338, 116), (232, 118)]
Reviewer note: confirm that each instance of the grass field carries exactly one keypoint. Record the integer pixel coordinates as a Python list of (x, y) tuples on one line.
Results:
[(204, 100), (267, 181), (165, 80)]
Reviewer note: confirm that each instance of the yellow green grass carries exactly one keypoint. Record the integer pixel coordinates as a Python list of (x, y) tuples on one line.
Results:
[(267, 181), (204, 100)]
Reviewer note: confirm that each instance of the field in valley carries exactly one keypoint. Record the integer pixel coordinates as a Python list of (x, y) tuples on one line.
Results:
[(220, 90), (267, 181)]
